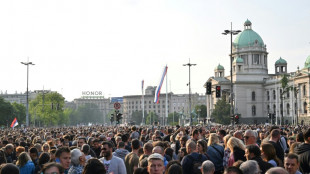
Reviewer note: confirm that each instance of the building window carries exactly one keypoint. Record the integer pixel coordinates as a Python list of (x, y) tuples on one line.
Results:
[(305, 107), (253, 110), (268, 96), (256, 59), (274, 108), (253, 96), (304, 90), (295, 108), (288, 109), (245, 59), (268, 109), (274, 94)]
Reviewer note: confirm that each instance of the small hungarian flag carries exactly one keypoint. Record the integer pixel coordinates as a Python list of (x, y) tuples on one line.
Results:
[(14, 123)]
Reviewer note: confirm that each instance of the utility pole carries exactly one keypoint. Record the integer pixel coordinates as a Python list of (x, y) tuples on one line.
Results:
[(189, 90)]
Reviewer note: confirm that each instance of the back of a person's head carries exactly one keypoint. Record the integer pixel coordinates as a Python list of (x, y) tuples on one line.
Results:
[(207, 167), (233, 170), (300, 137), (174, 169), (94, 166), (276, 170), (9, 168), (140, 170), (85, 149), (254, 149), (249, 167), (44, 158), (34, 151), (60, 150), (307, 135), (135, 144)]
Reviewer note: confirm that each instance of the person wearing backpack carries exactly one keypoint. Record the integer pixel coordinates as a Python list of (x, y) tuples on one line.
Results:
[(192, 162)]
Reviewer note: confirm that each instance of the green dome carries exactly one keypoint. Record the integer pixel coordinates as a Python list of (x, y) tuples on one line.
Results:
[(281, 61), (307, 63), (238, 60), (248, 37), (219, 67)]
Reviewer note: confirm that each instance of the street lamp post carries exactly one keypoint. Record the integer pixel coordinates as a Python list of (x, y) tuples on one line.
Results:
[(27, 94), (231, 32), (189, 88)]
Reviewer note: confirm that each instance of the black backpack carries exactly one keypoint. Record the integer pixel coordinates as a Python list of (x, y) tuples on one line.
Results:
[(196, 164)]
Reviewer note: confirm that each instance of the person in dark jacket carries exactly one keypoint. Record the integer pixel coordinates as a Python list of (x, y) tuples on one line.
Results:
[(303, 152), (193, 155), (252, 152)]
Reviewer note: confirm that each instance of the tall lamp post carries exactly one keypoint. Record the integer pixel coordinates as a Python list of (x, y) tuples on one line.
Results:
[(27, 102), (231, 32), (189, 88)]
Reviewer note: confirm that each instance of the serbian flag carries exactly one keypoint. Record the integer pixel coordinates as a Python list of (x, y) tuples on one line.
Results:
[(14, 123), (157, 92)]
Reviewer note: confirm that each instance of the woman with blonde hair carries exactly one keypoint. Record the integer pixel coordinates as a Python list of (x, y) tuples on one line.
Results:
[(226, 151), (25, 164), (237, 150), (46, 148), (268, 153), (216, 152)]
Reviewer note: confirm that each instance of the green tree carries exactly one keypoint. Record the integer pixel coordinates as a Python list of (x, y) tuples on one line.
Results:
[(221, 112), (6, 112), (176, 118), (87, 113), (47, 109), (151, 118), (137, 116), (19, 111), (201, 110)]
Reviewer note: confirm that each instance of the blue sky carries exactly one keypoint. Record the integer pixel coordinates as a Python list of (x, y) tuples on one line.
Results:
[(110, 46)]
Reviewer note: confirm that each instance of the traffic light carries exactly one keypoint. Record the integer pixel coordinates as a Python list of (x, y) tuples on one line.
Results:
[(118, 117), (112, 118), (232, 118), (218, 91), (236, 119), (209, 85)]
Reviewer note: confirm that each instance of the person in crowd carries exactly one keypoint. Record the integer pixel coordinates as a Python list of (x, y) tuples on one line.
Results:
[(252, 152), (160, 150), (9, 169), (183, 141), (94, 166), (250, 167), (96, 147), (25, 164), (207, 167), (34, 155), (238, 134), (112, 163), (147, 151), (221, 133), (182, 153), (86, 150), (277, 170), (132, 159), (250, 137), (43, 159), (188, 161), (168, 153), (233, 170), (167, 137), (77, 161), (141, 170), (195, 135), (202, 147), (19, 150), (226, 151), (216, 152), (52, 168), (156, 164), (63, 157), (291, 164), (236, 148), (121, 152), (46, 147), (303, 152), (8, 152), (274, 139), (268, 153)]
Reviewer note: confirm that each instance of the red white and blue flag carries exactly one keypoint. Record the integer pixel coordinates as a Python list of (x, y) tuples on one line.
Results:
[(157, 92), (14, 123)]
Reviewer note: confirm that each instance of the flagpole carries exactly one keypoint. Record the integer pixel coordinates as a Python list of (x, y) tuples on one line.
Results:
[(143, 102), (166, 118)]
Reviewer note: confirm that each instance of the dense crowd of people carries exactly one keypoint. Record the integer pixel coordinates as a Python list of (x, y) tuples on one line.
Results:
[(242, 149)]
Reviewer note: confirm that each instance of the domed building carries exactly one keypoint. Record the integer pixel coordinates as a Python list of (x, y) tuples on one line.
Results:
[(257, 94)]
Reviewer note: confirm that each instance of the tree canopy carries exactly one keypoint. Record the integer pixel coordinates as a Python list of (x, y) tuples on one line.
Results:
[(221, 112)]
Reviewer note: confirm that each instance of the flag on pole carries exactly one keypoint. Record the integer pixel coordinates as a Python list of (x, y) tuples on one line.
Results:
[(157, 92), (14, 123), (142, 84)]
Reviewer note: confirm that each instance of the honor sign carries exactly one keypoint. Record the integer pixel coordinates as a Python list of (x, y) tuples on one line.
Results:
[(91, 93)]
